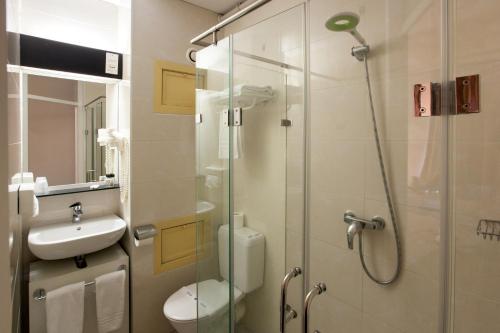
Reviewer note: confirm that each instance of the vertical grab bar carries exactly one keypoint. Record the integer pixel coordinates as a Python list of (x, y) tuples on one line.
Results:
[(284, 307), (318, 289)]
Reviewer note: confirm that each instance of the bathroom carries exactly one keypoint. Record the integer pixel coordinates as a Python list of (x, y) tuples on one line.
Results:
[(251, 166)]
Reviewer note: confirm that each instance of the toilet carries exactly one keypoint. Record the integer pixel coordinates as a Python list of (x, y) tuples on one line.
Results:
[(182, 307)]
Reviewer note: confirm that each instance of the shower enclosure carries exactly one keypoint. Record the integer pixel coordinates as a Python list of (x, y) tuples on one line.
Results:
[(286, 144), (250, 149), (95, 118)]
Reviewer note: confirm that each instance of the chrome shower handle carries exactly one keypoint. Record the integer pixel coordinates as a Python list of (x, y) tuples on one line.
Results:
[(376, 223), (286, 311), (318, 289)]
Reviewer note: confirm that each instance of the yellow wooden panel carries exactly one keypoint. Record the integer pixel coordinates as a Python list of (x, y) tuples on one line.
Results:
[(180, 241), (175, 91)]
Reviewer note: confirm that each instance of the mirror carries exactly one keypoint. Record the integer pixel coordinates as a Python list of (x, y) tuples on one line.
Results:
[(62, 118)]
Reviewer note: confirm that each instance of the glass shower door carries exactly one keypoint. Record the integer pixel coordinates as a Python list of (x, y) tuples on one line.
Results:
[(250, 164), (213, 152), (404, 39), (474, 170), (268, 169)]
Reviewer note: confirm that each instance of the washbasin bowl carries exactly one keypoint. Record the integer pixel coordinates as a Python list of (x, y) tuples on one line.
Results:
[(204, 207), (65, 240)]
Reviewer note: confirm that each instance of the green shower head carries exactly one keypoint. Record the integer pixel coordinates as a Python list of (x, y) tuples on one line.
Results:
[(345, 22)]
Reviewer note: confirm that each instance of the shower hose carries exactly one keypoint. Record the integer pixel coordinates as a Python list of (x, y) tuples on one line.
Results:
[(390, 204)]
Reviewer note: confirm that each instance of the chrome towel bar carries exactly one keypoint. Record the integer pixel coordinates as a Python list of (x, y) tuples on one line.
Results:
[(40, 294)]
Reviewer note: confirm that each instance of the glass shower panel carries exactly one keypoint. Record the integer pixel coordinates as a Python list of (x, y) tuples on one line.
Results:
[(213, 145), (95, 118), (475, 173), (268, 169), (345, 174)]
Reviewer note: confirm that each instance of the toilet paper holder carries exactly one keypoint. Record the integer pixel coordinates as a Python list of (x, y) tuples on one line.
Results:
[(145, 231)]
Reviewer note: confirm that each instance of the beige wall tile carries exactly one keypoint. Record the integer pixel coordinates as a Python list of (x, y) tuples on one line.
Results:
[(328, 313), (162, 149), (6, 229), (345, 172), (339, 269), (374, 325), (474, 165), (410, 305), (475, 314), (474, 255), (327, 216)]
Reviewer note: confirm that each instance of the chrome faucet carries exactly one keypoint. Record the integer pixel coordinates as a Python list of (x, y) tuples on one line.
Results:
[(356, 226), (77, 211), (353, 229)]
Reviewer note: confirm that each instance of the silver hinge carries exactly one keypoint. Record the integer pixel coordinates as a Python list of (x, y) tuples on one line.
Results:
[(198, 118), (427, 99), (467, 94), (234, 119), (286, 122), (237, 117), (463, 97)]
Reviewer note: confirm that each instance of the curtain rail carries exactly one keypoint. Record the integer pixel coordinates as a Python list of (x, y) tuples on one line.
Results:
[(198, 39)]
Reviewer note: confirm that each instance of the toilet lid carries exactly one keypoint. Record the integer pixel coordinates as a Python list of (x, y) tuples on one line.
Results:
[(213, 299)]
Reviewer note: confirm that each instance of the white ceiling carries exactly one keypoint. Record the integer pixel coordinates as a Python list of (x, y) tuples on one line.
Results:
[(218, 6)]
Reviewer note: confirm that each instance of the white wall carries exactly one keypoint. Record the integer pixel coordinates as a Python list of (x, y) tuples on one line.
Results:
[(5, 306)]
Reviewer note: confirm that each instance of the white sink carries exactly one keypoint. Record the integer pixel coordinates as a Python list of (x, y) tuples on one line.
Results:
[(204, 207), (65, 240)]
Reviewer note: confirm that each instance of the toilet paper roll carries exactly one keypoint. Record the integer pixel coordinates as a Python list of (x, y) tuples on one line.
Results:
[(238, 220), (143, 242)]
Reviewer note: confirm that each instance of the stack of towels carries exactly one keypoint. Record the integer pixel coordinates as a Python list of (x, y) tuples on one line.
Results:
[(65, 305), (245, 96)]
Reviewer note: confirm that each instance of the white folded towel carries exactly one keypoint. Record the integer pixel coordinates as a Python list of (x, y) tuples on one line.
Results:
[(243, 95), (110, 300), (245, 89), (64, 309)]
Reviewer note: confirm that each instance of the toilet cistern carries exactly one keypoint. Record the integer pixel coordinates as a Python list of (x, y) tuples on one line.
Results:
[(77, 211)]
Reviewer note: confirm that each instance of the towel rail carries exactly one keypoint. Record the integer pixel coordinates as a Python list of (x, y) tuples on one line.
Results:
[(40, 294)]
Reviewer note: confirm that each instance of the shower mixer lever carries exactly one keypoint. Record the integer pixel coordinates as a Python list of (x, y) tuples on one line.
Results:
[(356, 226)]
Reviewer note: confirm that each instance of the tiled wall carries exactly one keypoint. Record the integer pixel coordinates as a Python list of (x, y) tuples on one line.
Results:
[(6, 228), (14, 161), (268, 177), (162, 150), (5, 271), (475, 174), (344, 172), (14, 158), (404, 37), (14, 129)]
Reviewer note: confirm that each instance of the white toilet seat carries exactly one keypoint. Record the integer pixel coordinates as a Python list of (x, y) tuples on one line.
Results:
[(182, 306)]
